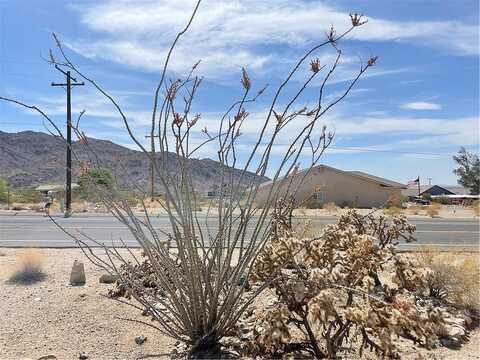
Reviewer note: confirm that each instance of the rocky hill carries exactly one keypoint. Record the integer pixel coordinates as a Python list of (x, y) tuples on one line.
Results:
[(31, 158)]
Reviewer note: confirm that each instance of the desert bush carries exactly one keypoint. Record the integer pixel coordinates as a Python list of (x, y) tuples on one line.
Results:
[(331, 207), (92, 179), (332, 288), (443, 200), (433, 209), (312, 204), (476, 207), (414, 209), (394, 201), (19, 207), (3, 191), (79, 206), (29, 268), (453, 277), (25, 196), (392, 211)]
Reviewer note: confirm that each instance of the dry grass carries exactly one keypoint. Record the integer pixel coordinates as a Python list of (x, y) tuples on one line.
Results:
[(433, 209), (81, 206), (29, 268), (19, 207), (455, 276), (414, 209), (301, 211), (392, 211), (476, 207), (331, 208)]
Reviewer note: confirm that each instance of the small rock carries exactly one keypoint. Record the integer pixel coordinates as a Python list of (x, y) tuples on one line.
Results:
[(140, 339), (82, 355), (47, 357), (77, 276), (108, 278), (37, 299)]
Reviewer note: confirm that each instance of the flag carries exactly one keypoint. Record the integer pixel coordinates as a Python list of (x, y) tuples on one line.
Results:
[(414, 182)]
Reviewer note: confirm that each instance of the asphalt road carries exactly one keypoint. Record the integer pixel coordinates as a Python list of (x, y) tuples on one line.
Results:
[(40, 231)]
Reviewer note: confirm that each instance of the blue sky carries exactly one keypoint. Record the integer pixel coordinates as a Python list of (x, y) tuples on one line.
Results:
[(406, 118)]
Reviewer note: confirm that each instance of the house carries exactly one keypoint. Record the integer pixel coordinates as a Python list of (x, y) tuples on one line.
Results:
[(434, 190), (54, 189), (323, 184)]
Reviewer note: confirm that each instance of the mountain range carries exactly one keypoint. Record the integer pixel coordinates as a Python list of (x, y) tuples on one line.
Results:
[(30, 158)]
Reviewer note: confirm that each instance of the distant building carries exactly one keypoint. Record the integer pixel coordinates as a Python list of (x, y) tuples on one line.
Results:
[(435, 190), (324, 184), (57, 189)]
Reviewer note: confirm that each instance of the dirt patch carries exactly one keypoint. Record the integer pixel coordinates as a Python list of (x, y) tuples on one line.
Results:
[(52, 317)]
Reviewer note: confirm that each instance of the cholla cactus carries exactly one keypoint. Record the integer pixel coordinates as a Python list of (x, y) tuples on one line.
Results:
[(330, 289)]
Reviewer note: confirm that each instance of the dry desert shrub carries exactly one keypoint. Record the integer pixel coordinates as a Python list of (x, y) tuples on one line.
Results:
[(393, 211), (79, 206), (331, 208), (347, 287), (414, 209), (433, 209), (453, 277), (29, 268), (476, 207), (18, 207)]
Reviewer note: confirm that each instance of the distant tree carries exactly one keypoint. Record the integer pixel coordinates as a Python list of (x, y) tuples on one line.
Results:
[(468, 171), (94, 178)]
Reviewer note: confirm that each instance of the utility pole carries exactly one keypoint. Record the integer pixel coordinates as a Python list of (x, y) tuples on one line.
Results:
[(68, 182), (429, 181), (152, 166)]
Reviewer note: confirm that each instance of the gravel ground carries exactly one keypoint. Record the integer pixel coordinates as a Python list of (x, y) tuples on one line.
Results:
[(52, 317)]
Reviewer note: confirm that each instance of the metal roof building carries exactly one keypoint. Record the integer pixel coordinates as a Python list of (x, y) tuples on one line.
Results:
[(323, 184)]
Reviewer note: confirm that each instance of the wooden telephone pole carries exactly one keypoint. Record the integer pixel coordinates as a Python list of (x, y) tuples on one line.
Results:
[(68, 182), (152, 166)]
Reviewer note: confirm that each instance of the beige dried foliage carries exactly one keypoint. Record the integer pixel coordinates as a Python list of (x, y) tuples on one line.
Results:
[(393, 211), (79, 206), (453, 277), (476, 207), (414, 209), (28, 268), (331, 208), (433, 209), (329, 287)]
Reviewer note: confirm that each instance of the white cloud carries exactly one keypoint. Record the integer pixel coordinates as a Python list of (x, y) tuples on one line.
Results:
[(420, 105), (229, 34)]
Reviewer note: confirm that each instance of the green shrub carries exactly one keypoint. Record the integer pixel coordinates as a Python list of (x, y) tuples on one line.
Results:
[(26, 195), (92, 179), (441, 200), (3, 191)]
